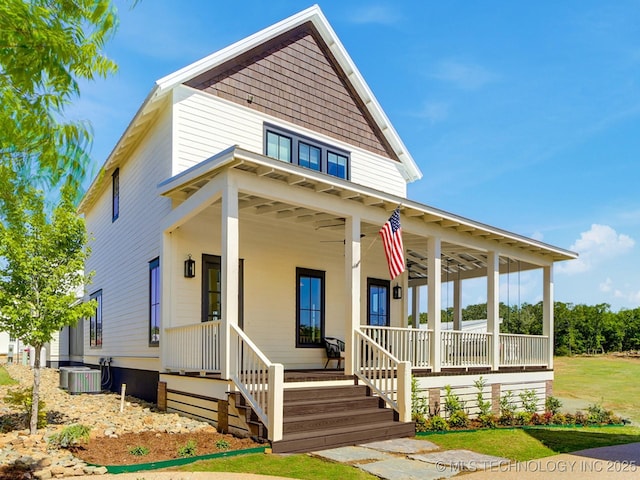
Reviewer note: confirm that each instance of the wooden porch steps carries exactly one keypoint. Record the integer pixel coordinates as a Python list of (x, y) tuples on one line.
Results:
[(319, 418)]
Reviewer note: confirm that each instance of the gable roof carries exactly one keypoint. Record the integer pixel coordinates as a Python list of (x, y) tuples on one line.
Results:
[(352, 76)]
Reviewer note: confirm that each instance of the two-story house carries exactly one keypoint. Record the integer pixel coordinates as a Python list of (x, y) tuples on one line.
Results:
[(236, 226)]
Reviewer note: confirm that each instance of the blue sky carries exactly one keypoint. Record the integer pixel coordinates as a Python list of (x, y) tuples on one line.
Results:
[(522, 115)]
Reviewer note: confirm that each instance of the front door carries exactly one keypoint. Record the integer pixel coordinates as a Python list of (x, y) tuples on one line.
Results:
[(378, 302), (212, 289)]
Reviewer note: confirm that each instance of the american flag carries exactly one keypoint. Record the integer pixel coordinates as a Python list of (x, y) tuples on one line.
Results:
[(391, 233)]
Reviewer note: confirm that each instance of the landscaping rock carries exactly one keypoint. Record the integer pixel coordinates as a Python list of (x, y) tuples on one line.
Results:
[(101, 412)]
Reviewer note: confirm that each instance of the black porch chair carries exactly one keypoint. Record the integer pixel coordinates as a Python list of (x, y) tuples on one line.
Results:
[(335, 350)]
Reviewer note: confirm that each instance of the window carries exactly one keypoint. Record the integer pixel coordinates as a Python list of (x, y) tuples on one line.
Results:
[(309, 308), (279, 146), (95, 322), (336, 165), (378, 302), (115, 195), (154, 302), (308, 156), (305, 152)]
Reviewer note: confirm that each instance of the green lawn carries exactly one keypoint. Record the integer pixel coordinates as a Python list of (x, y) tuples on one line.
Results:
[(5, 379), (611, 381), (528, 444), (290, 466)]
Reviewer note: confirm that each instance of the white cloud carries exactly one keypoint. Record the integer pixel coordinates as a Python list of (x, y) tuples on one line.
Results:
[(606, 286), (434, 112), (380, 14), (594, 246), (466, 76)]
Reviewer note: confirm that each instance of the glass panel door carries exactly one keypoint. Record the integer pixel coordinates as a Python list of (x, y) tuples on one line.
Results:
[(378, 303), (212, 289)]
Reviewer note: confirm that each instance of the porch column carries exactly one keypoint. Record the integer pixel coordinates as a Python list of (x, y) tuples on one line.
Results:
[(457, 304), (547, 310), (230, 274), (415, 306), (352, 267), (168, 262), (434, 269), (493, 307)]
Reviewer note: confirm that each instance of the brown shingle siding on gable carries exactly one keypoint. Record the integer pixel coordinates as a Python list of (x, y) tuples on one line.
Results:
[(294, 78)]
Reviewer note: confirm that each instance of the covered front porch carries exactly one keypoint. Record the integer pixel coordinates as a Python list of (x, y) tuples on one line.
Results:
[(265, 220)]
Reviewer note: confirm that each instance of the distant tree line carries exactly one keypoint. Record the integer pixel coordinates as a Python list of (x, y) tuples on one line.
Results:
[(577, 328)]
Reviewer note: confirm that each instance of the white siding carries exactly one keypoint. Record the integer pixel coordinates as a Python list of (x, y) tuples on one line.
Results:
[(205, 125), (121, 250)]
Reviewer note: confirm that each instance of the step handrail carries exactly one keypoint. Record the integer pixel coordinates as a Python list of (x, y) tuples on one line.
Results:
[(260, 381), (387, 376)]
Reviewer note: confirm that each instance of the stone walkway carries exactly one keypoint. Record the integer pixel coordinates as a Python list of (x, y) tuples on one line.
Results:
[(411, 459)]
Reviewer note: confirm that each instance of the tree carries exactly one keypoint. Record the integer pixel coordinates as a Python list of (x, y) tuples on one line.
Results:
[(41, 270), (46, 48)]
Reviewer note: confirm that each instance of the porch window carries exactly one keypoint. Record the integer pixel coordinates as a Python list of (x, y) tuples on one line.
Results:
[(115, 195), (95, 322), (154, 302), (279, 146), (378, 302), (309, 307)]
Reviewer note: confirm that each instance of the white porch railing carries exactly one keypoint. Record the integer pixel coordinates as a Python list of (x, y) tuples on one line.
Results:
[(465, 349), (523, 350), (387, 376), (194, 347), (259, 381), (406, 344)]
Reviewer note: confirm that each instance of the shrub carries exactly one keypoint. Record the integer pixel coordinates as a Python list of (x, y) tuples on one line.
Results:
[(552, 404), (488, 420), (70, 436), (484, 406), (459, 419), (597, 415), (222, 444), (188, 449), (507, 419), (570, 419), (437, 424), (421, 423), (419, 404), (580, 418), (139, 451), (452, 402), (22, 399), (507, 407), (523, 418), (529, 401), (560, 419)]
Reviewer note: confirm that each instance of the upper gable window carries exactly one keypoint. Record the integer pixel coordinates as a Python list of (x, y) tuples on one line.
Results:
[(279, 146), (337, 164), (115, 195), (305, 152)]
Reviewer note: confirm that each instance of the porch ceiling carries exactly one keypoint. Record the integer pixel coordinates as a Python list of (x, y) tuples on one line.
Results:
[(458, 259)]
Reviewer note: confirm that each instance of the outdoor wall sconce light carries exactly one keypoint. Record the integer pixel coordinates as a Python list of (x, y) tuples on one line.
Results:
[(397, 292), (189, 267)]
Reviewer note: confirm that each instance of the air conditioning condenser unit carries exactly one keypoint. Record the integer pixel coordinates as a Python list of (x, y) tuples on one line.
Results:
[(85, 381), (64, 375)]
